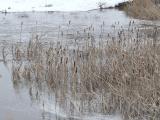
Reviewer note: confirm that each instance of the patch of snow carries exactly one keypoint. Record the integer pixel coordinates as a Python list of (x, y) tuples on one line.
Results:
[(50, 106), (54, 5), (56, 110)]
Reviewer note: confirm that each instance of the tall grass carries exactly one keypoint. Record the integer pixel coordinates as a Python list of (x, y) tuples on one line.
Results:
[(121, 74), (143, 9)]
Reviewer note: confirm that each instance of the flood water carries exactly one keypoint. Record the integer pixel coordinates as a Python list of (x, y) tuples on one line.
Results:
[(51, 24), (16, 101)]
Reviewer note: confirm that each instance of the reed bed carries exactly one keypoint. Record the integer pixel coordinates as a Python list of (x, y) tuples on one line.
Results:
[(119, 75), (143, 9)]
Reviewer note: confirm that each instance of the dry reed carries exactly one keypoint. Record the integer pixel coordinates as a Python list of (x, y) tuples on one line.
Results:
[(120, 75), (143, 9)]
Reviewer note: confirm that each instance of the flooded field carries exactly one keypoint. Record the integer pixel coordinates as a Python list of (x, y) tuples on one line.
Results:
[(50, 25), (67, 66)]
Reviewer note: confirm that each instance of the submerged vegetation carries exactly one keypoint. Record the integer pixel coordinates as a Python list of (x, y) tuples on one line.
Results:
[(89, 71), (119, 74)]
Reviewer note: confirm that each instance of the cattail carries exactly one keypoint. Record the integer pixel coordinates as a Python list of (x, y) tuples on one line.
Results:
[(66, 60), (62, 33), (61, 60), (69, 22), (76, 70), (74, 64)]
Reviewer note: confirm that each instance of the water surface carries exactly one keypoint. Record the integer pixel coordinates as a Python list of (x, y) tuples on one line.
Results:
[(16, 101)]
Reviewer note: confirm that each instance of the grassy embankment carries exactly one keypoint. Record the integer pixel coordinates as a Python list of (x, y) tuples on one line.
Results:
[(141, 9)]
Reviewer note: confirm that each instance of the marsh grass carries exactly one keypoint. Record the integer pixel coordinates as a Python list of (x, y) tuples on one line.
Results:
[(143, 9), (120, 74)]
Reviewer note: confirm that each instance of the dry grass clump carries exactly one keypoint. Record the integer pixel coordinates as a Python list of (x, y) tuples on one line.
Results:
[(120, 75), (143, 9)]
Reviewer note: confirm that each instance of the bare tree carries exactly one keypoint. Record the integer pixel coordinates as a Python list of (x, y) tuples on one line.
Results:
[(101, 5)]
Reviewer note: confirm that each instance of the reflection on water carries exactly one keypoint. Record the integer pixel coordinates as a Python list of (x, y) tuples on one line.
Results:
[(13, 106), (36, 101), (30, 96), (33, 101)]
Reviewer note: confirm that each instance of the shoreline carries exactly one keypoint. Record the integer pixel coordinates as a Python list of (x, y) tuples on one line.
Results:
[(119, 6)]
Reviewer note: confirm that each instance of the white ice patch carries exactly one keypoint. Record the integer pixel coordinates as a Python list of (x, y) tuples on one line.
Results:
[(54, 5), (51, 107), (55, 110)]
